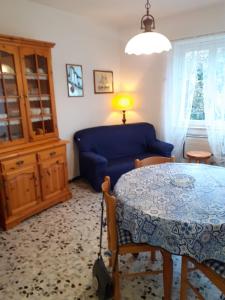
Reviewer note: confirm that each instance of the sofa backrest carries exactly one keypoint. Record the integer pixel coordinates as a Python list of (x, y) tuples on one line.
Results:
[(116, 140)]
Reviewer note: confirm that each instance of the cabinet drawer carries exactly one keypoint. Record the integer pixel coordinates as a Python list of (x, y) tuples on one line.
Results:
[(48, 154), (16, 163)]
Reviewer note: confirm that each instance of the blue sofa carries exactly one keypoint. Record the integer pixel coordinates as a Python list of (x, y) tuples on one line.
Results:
[(111, 150)]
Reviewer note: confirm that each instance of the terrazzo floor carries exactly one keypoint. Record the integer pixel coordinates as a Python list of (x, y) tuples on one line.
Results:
[(50, 256)]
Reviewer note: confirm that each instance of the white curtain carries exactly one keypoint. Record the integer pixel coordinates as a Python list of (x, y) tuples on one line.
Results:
[(179, 93), (214, 98), (187, 57)]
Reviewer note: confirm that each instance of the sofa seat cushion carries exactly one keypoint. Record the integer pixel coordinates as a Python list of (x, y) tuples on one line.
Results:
[(125, 163), (119, 166)]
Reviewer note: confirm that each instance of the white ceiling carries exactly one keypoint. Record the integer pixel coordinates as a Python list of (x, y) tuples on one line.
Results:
[(120, 13)]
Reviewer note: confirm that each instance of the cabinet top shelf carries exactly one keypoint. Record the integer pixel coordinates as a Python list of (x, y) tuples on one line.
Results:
[(10, 39)]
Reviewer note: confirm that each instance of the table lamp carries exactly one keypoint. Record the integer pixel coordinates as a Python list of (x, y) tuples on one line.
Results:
[(123, 102)]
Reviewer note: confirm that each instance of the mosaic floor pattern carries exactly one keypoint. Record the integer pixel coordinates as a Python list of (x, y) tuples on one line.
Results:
[(50, 256)]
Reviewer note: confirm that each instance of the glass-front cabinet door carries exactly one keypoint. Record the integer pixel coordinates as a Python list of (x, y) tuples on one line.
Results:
[(39, 93), (12, 114)]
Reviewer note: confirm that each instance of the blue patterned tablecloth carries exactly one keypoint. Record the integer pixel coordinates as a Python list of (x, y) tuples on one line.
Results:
[(179, 207)]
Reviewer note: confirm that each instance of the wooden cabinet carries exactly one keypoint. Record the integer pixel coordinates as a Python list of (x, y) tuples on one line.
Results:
[(32, 157), (53, 175), (22, 190)]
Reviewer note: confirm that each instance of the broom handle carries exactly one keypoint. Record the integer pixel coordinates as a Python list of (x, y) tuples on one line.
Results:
[(101, 226)]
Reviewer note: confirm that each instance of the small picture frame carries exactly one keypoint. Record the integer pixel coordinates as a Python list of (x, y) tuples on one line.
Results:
[(74, 75), (103, 82)]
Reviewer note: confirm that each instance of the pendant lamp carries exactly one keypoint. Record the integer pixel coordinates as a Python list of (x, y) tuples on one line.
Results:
[(149, 41)]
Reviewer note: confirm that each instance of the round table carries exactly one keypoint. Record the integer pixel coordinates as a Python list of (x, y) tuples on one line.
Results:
[(179, 207)]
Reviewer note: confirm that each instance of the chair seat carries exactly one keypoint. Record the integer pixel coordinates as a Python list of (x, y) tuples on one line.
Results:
[(124, 236), (216, 266)]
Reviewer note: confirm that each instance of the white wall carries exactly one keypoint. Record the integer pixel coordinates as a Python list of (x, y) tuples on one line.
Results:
[(146, 74), (77, 41), (94, 47)]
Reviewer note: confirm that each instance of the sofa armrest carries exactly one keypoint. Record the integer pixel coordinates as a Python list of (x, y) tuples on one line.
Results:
[(93, 167), (162, 148), (93, 159)]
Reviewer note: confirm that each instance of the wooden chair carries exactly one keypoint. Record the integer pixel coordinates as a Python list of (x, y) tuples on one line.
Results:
[(120, 243), (153, 160), (212, 269)]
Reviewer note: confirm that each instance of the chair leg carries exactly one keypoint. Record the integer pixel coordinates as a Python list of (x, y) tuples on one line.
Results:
[(207, 161), (167, 274), (184, 274), (116, 281), (153, 256), (110, 262)]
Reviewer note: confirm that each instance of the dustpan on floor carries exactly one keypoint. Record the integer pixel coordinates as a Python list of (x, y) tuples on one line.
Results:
[(101, 277)]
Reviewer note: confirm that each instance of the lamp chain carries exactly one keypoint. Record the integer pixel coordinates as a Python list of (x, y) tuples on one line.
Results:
[(147, 6)]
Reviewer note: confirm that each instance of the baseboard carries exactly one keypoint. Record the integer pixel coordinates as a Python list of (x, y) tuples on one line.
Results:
[(74, 179)]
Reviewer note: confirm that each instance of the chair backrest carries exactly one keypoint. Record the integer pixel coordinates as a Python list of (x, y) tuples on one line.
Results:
[(153, 160), (110, 202)]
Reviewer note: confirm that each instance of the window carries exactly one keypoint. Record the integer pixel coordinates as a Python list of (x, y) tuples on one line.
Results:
[(197, 117), (197, 111), (194, 101)]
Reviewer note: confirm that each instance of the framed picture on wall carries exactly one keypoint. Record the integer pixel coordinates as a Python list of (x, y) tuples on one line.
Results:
[(74, 76), (103, 82)]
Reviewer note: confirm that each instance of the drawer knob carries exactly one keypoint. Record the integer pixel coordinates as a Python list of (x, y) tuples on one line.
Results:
[(20, 162), (52, 153)]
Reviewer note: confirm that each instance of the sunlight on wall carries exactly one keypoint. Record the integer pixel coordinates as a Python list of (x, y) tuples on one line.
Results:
[(129, 86)]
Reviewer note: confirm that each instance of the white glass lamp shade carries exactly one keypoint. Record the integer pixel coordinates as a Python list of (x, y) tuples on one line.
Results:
[(148, 43)]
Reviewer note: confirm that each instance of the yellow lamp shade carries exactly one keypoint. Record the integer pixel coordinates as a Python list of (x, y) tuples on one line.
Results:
[(123, 102)]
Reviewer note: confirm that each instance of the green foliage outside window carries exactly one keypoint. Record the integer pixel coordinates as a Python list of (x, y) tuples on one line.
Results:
[(197, 112)]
